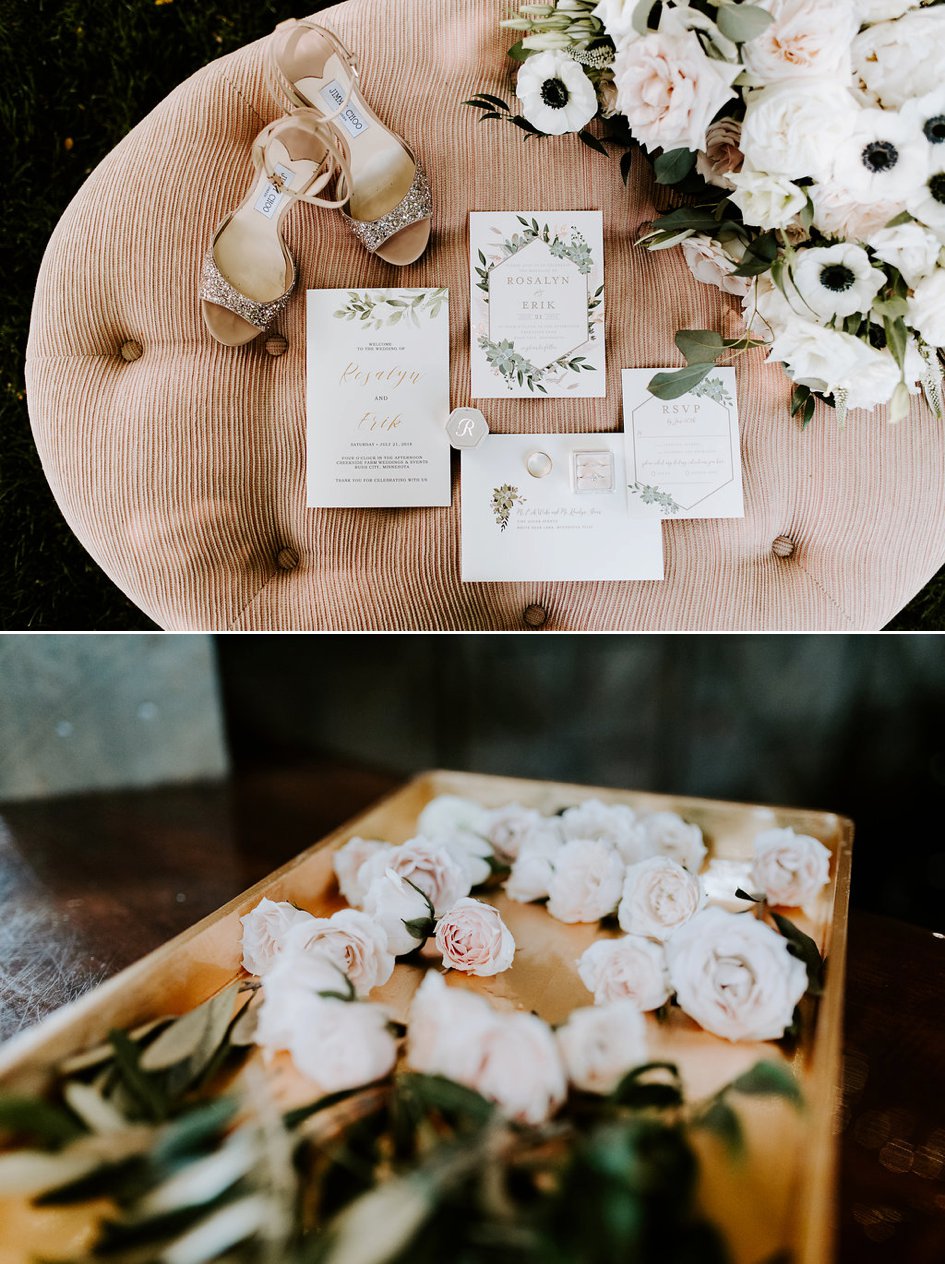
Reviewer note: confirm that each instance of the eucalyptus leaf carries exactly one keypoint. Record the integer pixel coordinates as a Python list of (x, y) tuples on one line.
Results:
[(673, 166), (700, 346), (679, 382), (148, 1097), (29, 1172), (33, 1117), (226, 1228), (100, 1054), (518, 52), (768, 1079), (204, 1179), (96, 1112), (192, 1131), (437, 1092), (720, 1119), (742, 22), (193, 1038)]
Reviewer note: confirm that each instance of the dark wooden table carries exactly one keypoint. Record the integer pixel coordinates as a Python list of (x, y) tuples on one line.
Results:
[(89, 884)]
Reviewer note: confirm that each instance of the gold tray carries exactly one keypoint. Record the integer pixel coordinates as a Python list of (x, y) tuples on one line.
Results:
[(781, 1197)]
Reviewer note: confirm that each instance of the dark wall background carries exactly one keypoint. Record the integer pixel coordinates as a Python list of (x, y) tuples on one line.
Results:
[(846, 723)]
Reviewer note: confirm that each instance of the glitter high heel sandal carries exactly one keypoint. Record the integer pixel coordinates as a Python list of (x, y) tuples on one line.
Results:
[(386, 198), (248, 274)]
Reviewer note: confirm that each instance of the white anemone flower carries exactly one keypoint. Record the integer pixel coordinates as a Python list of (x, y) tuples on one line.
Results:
[(555, 93), (927, 115), (928, 203), (883, 159), (836, 280)]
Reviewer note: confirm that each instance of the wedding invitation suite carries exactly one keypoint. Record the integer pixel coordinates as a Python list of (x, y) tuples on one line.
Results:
[(536, 304), (683, 458), (378, 396), (545, 507)]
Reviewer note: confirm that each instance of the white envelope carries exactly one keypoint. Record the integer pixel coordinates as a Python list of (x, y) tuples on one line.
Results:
[(378, 396), (571, 523)]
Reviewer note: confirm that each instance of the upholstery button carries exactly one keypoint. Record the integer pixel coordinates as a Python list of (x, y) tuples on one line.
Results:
[(276, 345), (534, 616), (783, 546), (287, 559), (130, 350)]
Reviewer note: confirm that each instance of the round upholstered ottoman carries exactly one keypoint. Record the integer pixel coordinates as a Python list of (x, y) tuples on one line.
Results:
[(180, 463)]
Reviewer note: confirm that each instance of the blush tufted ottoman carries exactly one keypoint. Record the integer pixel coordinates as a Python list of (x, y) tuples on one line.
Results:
[(180, 464)]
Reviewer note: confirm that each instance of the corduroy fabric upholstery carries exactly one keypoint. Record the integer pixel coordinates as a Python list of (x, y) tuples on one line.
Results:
[(182, 471)]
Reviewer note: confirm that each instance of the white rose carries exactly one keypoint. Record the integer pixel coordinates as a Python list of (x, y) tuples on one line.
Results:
[(629, 968), (445, 1030), (393, 903), (513, 827), (793, 129), (710, 263), (429, 866), (667, 834), (883, 10), (901, 59), (735, 976), (910, 248), (521, 1068), (658, 897), (806, 38), (873, 380), (614, 823), (927, 308), (766, 201), (347, 862), (585, 885), (836, 216), (617, 17), (290, 986), (342, 1044), (722, 154), (530, 878), (355, 941), (823, 359), (789, 868), (601, 1043), (836, 280), (722, 879), (669, 90), (264, 932), (472, 937), (449, 812)]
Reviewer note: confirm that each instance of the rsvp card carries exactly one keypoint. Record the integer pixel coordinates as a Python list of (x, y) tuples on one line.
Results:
[(378, 396), (683, 458), (545, 507), (536, 304)]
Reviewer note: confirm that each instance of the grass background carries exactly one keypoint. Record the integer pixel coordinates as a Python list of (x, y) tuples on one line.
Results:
[(77, 75)]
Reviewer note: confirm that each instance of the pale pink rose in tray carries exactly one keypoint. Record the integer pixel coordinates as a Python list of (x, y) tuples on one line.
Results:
[(513, 828), (343, 1044), (428, 865), (521, 1068), (353, 940), (629, 968), (530, 878), (601, 1043), (586, 883), (402, 911), (789, 869), (473, 938), (667, 834), (264, 932), (445, 1030), (347, 862), (735, 976), (659, 896)]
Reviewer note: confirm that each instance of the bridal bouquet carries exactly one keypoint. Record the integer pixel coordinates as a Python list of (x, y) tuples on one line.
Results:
[(808, 140)]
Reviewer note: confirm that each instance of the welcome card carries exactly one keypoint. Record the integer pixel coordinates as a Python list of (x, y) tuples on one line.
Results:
[(537, 304), (378, 396)]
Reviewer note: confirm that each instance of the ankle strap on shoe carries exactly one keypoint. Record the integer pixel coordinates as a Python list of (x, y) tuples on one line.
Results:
[(334, 164), (281, 45)]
